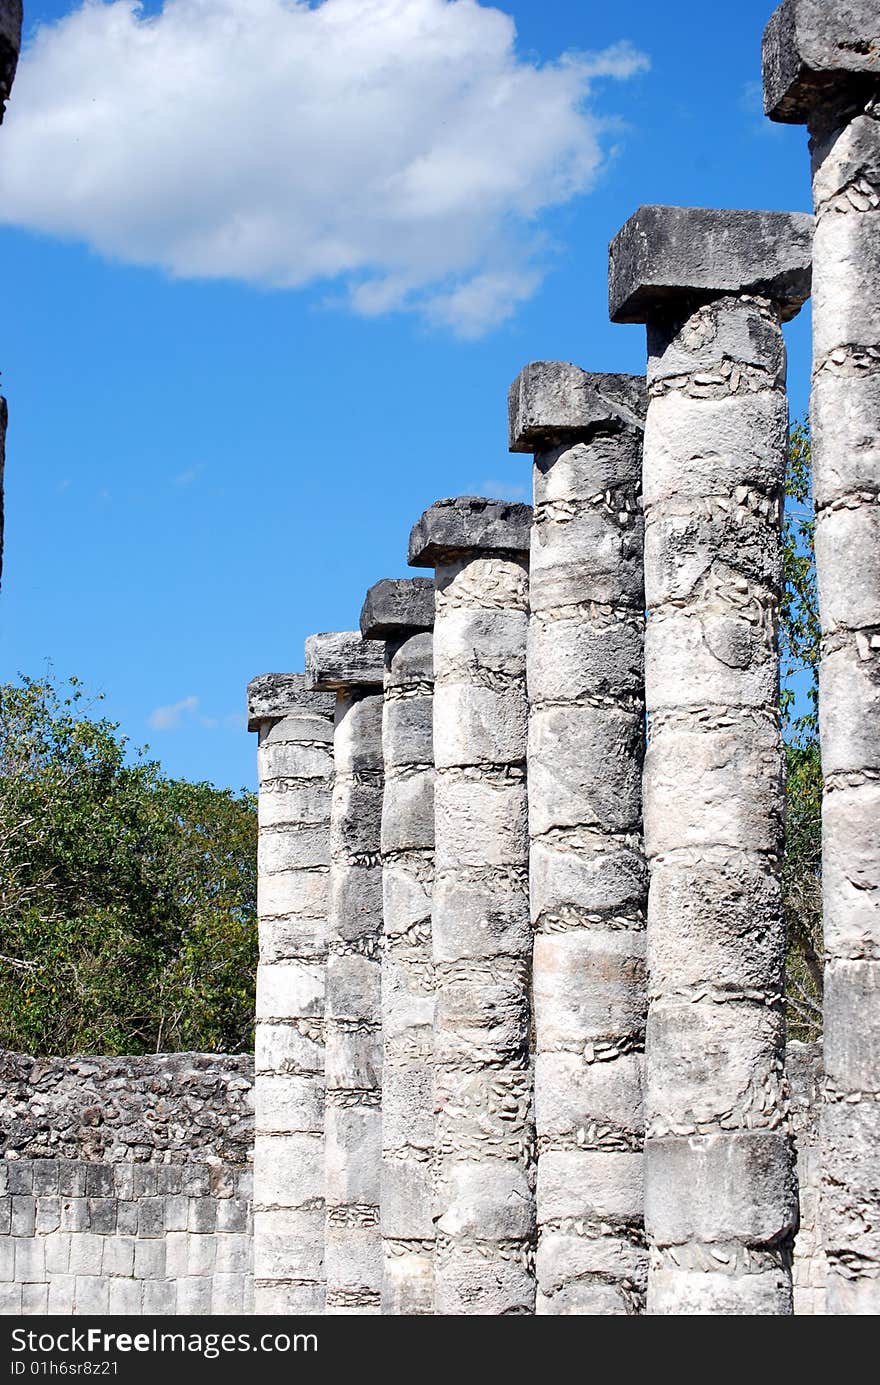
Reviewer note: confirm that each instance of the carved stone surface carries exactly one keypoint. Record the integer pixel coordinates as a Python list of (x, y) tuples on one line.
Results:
[(353, 1067), (664, 254), (588, 876), (397, 606), (822, 67), (460, 525), (719, 1186), (484, 1201), (407, 1208), (295, 760)]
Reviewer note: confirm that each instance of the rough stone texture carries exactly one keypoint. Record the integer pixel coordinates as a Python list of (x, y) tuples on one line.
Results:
[(814, 47), (468, 522), (125, 1185), (295, 762), (664, 254), (353, 1071), (482, 942), (397, 606), (343, 659), (719, 1185), (10, 42), (588, 876), (822, 67), (407, 1202), (803, 1065)]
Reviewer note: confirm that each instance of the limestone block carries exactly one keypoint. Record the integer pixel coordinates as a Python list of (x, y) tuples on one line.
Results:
[(355, 909), (285, 1103), (847, 257), (354, 1057), (486, 819), (611, 875), (589, 1103), (406, 889), (408, 812), (407, 732), (408, 1284), (482, 1012), (578, 1183), (724, 334), (481, 1193), (585, 768), (287, 1245), (353, 987), (578, 658), (849, 590), (397, 606), (468, 523), (587, 550), (409, 663), (342, 659), (287, 991), (564, 1256), (408, 1107), (724, 657), (355, 821), (851, 874), (482, 917), (407, 1199), (289, 1048), (678, 1291), (844, 410), (482, 1283), (302, 892), (353, 1154), (852, 1024), (710, 447), (720, 1188), (666, 252), (302, 849), (849, 706), (589, 987), (554, 402), (811, 49), (276, 696)]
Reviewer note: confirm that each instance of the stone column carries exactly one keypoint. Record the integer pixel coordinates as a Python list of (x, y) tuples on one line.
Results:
[(588, 876), (295, 759), (352, 668), (720, 1199), (822, 69), (400, 611), (10, 42), (484, 1207)]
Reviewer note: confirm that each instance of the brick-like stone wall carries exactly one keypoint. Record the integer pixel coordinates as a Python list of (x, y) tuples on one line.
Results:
[(804, 1067), (125, 1184)]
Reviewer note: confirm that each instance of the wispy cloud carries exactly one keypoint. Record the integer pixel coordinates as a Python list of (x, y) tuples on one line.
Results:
[(505, 490), (171, 717), (187, 477), (401, 151)]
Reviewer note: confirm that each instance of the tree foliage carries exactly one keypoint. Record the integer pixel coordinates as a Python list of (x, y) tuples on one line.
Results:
[(127, 899), (799, 643)]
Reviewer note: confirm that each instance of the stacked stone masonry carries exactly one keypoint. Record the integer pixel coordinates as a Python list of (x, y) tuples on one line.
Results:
[(126, 1185), (822, 69)]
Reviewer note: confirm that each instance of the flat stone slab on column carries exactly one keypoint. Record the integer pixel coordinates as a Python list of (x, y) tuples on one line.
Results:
[(341, 659), (10, 43), (811, 48), (469, 522), (671, 252), (281, 694), (553, 402), (397, 606)]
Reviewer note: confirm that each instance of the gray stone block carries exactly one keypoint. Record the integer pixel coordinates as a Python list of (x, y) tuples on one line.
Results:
[(23, 1216), (342, 659), (274, 695), (720, 1188), (466, 525), (160, 1298), (666, 257), (10, 42), (815, 49), (397, 606), (552, 403)]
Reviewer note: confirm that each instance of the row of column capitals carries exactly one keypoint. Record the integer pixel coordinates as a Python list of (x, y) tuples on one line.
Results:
[(815, 53)]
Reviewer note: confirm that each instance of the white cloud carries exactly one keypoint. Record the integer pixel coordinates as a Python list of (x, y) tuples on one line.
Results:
[(399, 149), (169, 718)]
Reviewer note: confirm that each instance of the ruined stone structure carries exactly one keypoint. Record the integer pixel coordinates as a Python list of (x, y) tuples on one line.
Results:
[(353, 669), (720, 1200), (520, 1008), (822, 69), (295, 758), (588, 880), (401, 613), (485, 1144)]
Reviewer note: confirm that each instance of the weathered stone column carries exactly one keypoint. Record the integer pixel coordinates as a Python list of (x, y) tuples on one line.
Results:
[(352, 668), (822, 68), (485, 1207), (10, 42), (295, 759), (720, 1200), (588, 876), (400, 611)]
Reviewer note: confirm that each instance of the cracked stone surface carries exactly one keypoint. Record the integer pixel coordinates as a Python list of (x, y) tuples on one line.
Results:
[(353, 668), (407, 1209), (10, 43), (295, 763), (588, 875), (484, 1210), (822, 68), (720, 1195)]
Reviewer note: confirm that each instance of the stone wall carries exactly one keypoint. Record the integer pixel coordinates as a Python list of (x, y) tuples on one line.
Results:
[(125, 1184), (804, 1067)]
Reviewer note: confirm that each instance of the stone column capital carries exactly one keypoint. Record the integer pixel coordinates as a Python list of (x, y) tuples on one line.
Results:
[(815, 52), (340, 661), (667, 259), (469, 524), (271, 696), (397, 607), (551, 403), (10, 43)]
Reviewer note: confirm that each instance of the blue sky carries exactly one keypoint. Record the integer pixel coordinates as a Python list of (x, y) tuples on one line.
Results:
[(222, 426)]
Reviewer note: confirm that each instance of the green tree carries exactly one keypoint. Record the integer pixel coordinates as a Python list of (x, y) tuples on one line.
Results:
[(127, 899), (799, 650)]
